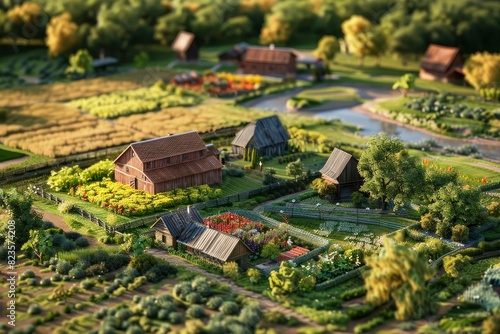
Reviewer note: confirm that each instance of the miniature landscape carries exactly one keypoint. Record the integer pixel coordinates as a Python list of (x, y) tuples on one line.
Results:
[(249, 166)]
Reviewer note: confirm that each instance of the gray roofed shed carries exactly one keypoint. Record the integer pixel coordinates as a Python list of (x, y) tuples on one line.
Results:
[(341, 168), (267, 135), (175, 222)]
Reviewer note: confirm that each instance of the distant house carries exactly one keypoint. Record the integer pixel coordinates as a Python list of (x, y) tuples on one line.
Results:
[(166, 163), (184, 47), (234, 55), (341, 169), (442, 63), (267, 135), (185, 226), (269, 61)]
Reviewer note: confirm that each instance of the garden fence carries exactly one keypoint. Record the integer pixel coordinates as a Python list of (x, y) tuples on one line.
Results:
[(321, 244), (341, 279), (297, 211)]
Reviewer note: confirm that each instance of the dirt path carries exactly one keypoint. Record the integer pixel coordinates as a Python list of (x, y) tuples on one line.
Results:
[(493, 168), (59, 222), (7, 163), (264, 302)]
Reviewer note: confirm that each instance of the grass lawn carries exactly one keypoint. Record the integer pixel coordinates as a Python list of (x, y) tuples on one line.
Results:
[(471, 170), (6, 155), (322, 95), (234, 185), (74, 221)]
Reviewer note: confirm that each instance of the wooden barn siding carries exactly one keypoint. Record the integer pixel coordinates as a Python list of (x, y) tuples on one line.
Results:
[(269, 69), (273, 150), (350, 173), (128, 159), (210, 177), (239, 251)]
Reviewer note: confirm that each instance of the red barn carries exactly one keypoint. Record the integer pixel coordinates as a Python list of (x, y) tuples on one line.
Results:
[(442, 63), (166, 163)]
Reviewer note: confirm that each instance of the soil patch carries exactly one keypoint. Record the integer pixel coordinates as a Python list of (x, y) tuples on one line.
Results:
[(59, 222)]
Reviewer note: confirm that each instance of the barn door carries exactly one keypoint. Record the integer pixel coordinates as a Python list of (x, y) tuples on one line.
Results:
[(133, 182)]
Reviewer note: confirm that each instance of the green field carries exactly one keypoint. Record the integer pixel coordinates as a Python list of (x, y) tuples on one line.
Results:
[(327, 94), (6, 155), (235, 185)]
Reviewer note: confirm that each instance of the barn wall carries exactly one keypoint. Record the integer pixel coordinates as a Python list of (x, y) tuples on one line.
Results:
[(210, 177)]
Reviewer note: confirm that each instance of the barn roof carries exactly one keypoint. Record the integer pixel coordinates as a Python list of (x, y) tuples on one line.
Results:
[(215, 243), (335, 164), (168, 146), (439, 58), (176, 171), (176, 221), (266, 131), (269, 56), (183, 41), (191, 231)]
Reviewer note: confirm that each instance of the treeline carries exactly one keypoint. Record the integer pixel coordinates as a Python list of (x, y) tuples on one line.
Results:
[(113, 26)]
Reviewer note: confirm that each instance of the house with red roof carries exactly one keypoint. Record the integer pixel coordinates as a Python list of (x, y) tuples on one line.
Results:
[(442, 63), (166, 163)]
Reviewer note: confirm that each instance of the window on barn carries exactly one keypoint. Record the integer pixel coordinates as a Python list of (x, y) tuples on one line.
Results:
[(185, 157), (200, 153)]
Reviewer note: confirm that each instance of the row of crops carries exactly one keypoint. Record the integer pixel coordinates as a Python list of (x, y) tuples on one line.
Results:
[(136, 101)]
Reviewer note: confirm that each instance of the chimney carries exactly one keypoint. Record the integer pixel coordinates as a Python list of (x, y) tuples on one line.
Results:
[(271, 46)]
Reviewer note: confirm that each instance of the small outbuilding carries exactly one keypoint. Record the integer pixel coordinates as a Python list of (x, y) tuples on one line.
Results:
[(442, 63), (267, 135), (185, 47), (269, 61), (341, 169), (104, 64), (185, 226)]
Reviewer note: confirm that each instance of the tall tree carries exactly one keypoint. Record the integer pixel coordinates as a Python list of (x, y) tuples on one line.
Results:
[(168, 26), (275, 31), (295, 168), (378, 43), (61, 34), (328, 47), (399, 273), (482, 71), (389, 172), (408, 41), (355, 31), (237, 28), (20, 210), (207, 22)]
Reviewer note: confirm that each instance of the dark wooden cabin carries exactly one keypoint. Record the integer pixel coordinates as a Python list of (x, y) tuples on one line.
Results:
[(185, 47), (166, 163), (269, 61), (185, 226), (267, 135), (442, 63), (341, 169)]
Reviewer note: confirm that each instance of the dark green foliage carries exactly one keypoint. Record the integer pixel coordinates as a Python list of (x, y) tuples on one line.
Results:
[(77, 273), (63, 267), (45, 281), (214, 302), (460, 233), (95, 269), (67, 245), (233, 172), (72, 235), (160, 271), (229, 308), (87, 284), (82, 242), (47, 225), (489, 246), (143, 262), (369, 325), (195, 312), (353, 293), (58, 239), (175, 318), (360, 311), (34, 309)]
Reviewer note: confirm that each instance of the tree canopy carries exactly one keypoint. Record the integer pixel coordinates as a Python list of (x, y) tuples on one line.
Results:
[(389, 172), (399, 273)]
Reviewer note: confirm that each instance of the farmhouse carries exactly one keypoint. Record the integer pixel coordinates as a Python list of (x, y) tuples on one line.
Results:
[(166, 163), (269, 61), (185, 226), (267, 135), (184, 47), (442, 63), (341, 169)]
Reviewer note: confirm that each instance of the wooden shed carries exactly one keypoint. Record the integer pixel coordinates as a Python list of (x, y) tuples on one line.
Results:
[(185, 47), (341, 169), (267, 134), (442, 63), (170, 162), (269, 61), (186, 226), (169, 227)]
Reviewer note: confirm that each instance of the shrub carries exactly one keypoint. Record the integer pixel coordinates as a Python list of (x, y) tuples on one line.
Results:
[(201, 285), (253, 275), (494, 209), (231, 270), (67, 309), (65, 207), (492, 324), (195, 312), (134, 329), (82, 242), (307, 284), (175, 318), (29, 274), (428, 222), (193, 298), (143, 262), (87, 284), (56, 278), (229, 308), (489, 246), (160, 271), (31, 282), (45, 281), (163, 314), (214, 303), (460, 233), (357, 199), (453, 265), (270, 251), (67, 245), (34, 309), (131, 272), (250, 315), (369, 325), (46, 225), (353, 293), (66, 278), (77, 273), (95, 269), (472, 251), (72, 235), (58, 239)]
